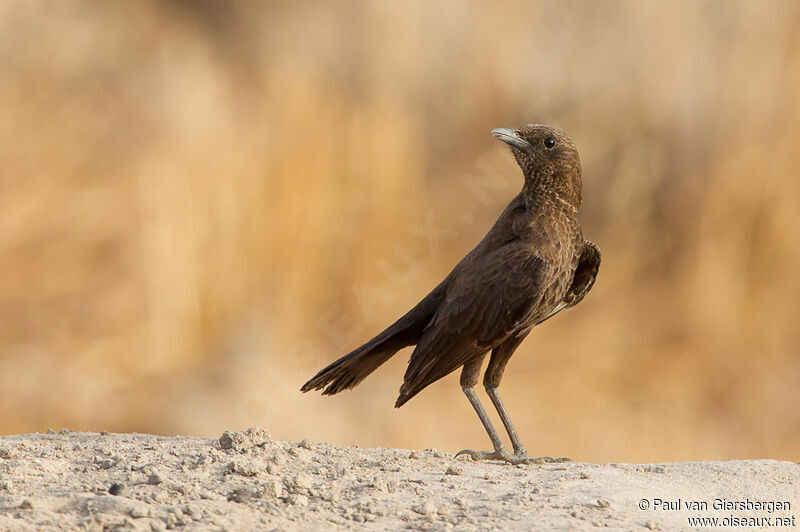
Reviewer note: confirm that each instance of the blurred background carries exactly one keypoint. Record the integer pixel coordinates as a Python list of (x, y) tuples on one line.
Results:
[(203, 203)]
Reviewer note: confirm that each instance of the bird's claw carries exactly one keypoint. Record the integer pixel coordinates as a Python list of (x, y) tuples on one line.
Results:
[(516, 458)]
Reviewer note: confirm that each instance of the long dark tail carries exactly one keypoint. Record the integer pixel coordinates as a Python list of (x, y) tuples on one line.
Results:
[(351, 369)]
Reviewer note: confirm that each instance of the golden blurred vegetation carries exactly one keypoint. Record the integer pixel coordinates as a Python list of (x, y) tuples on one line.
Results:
[(203, 203)]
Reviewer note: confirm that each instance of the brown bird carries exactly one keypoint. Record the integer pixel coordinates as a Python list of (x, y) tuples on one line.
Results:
[(531, 265)]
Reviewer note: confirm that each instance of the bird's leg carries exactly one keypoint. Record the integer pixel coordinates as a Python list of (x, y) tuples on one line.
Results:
[(491, 381), (469, 378), (519, 449), (520, 454)]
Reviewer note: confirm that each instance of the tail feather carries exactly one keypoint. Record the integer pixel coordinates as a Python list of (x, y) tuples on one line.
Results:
[(351, 369)]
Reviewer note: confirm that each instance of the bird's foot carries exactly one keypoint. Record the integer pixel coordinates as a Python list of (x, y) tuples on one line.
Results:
[(519, 457), (501, 455), (546, 460)]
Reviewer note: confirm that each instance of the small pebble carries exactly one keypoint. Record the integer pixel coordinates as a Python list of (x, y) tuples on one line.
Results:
[(454, 471), (118, 488), (241, 441), (273, 488), (240, 495), (7, 452), (435, 452), (425, 509), (302, 481), (246, 469), (297, 500), (103, 463)]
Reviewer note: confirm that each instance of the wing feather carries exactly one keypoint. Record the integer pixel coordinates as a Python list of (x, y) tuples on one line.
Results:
[(486, 301)]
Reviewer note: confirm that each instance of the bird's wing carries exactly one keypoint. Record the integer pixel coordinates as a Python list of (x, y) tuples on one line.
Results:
[(585, 274), (485, 302), (582, 280)]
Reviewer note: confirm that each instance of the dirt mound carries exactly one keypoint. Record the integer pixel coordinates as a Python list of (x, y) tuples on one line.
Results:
[(247, 480)]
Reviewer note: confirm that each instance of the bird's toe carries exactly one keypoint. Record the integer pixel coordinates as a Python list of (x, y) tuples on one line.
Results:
[(546, 460), (485, 455)]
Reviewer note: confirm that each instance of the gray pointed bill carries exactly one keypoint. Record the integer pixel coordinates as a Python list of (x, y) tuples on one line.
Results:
[(510, 137)]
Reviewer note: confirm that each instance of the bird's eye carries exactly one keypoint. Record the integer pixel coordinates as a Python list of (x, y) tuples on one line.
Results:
[(550, 142)]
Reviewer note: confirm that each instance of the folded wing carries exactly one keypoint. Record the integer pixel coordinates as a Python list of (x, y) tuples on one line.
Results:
[(485, 302)]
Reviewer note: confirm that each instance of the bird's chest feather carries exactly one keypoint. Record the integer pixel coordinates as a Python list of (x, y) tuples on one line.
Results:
[(556, 238)]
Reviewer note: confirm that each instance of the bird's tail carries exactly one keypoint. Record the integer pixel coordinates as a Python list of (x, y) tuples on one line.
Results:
[(351, 369)]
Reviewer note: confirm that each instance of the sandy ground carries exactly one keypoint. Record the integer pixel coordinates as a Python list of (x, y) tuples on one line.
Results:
[(246, 480)]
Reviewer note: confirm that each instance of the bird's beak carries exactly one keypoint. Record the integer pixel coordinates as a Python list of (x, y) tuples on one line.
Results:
[(510, 137)]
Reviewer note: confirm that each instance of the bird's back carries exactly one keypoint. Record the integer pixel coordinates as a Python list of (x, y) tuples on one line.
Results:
[(517, 275)]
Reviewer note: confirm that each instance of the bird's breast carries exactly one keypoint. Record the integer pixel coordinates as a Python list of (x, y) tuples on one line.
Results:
[(558, 241)]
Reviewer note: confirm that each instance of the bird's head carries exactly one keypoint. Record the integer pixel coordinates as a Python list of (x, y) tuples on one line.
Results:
[(548, 159)]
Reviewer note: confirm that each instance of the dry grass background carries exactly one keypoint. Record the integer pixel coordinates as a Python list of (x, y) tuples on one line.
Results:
[(202, 203)]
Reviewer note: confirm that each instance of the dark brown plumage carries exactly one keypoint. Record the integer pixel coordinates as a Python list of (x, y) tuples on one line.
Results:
[(531, 265)]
